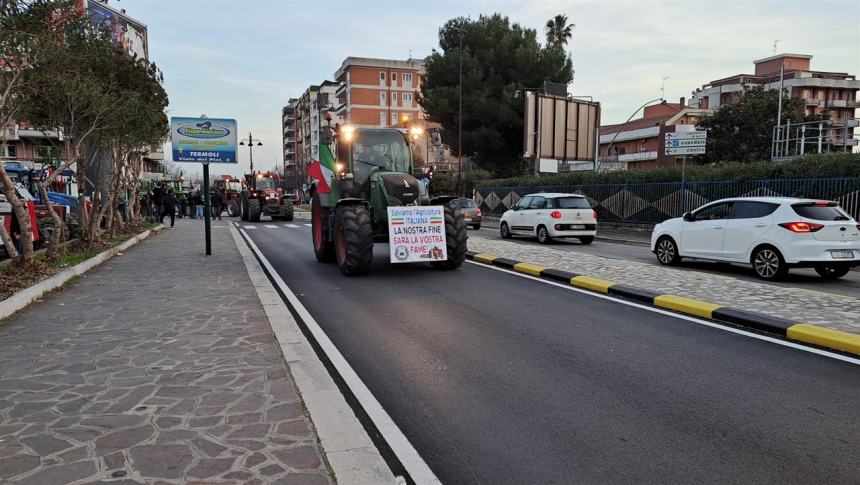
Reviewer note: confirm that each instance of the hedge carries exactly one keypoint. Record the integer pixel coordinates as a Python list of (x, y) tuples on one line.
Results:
[(810, 166)]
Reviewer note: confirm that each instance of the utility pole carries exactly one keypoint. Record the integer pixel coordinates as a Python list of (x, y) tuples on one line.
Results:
[(460, 121), (251, 142), (663, 88)]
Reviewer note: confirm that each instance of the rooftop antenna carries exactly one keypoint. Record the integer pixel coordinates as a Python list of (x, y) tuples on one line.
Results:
[(410, 53), (775, 43), (663, 88)]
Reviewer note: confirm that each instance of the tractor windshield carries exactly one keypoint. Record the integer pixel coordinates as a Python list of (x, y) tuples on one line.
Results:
[(263, 183), (385, 149), (234, 186)]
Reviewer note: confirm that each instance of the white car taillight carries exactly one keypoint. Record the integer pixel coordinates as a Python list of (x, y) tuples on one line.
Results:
[(802, 226)]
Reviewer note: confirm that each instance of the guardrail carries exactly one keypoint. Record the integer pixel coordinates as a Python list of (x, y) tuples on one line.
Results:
[(651, 203)]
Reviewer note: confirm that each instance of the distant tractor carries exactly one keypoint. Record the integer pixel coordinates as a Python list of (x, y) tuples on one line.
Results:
[(230, 189), (372, 172), (261, 194)]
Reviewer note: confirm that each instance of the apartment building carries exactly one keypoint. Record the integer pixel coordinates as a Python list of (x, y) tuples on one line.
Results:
[(835, 92), (303, 128), (378, 92), (638, 144), (288, 137), (322, 112)]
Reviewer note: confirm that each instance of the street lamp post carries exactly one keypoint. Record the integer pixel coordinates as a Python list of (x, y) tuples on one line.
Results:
[(251, 142)]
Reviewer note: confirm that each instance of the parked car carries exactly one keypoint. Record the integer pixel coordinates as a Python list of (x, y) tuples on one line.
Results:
[(772, 234), (549, 216), (470, 211)]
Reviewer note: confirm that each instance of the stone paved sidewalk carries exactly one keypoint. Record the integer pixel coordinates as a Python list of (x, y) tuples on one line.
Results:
[(828, 310), (157, 367)]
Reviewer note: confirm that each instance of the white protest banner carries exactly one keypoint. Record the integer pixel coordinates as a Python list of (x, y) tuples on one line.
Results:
[(417, 234)]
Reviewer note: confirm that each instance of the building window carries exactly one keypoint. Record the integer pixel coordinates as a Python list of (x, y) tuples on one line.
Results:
[(407, 77), (8, 151), (382, 99), (382, 75), (382, 118), (393, 76), (393, 119), (407, 99)]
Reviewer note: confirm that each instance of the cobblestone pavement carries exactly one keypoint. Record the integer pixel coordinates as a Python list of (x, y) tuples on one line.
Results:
[(157, 367), (828, 310)]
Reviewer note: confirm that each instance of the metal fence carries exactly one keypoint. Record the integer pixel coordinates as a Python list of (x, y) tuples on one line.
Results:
[(650, 203)]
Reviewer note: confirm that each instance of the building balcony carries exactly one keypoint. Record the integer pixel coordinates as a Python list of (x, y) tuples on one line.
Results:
[(842, 103), (813, 102)]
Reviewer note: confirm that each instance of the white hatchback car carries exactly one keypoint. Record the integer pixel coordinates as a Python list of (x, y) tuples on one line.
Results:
[(549, 216), (772, 234)]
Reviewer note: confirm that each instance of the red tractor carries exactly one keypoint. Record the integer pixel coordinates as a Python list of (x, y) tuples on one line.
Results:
[(262, 194), (230, 189)]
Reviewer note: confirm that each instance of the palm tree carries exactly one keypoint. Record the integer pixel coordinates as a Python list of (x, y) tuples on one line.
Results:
[(558, 31)]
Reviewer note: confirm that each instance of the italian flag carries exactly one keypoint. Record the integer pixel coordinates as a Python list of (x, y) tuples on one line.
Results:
[(435, 220), (397, 221), (322, 170)]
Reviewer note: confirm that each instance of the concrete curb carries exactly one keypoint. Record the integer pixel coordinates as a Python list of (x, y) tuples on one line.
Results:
[(796, 331), (23, 298), (349, 451)]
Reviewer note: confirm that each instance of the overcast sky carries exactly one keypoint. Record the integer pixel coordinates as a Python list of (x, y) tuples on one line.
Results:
[(244, 59)]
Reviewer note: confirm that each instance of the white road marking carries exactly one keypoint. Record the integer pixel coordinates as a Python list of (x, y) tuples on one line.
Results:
[(706, 323), (291, 225), (271, 226), (400, 445), (250, 227), (309, 225)]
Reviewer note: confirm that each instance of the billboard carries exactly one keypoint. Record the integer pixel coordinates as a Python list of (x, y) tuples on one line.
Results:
[(203, 140), (560, 128), (126, 32)]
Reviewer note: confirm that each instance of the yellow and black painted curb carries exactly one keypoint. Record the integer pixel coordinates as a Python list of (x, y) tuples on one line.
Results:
[(796, 331)]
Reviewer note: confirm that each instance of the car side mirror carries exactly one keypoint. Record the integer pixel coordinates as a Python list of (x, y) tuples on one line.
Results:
[(515, 208), (688, 216)]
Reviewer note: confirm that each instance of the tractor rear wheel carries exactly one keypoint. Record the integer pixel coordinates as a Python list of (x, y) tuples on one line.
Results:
[(233, 209), (288, 210), (323, 248), (353, 240), (254, 210), (244, 211), (455, 239)]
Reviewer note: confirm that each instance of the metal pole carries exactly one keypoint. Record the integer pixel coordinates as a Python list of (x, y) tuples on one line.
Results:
[(684, 184), (779, 108), (206, 212), (820, 136), (460, 120), (802, 139), (251, 150)]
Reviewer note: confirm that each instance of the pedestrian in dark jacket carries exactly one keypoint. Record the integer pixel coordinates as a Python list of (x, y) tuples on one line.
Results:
[(158, 200), (15, 232), (217, 204), (198, 204), (169, 202)]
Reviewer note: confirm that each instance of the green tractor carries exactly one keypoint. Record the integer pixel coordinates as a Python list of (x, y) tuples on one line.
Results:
[(365, 174)]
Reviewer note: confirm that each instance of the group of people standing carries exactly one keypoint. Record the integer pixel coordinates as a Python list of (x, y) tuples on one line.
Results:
[(165, 204)]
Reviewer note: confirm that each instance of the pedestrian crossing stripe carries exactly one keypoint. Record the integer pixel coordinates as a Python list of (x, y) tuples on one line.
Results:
[(250, 227), (291, 225), (271, 226), (309, 225)]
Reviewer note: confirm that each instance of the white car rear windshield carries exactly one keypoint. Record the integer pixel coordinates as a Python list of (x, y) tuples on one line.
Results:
[(569, 203), (821, 213)]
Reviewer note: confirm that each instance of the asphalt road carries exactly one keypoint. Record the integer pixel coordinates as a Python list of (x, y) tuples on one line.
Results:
[(798, 278), (499, 379)]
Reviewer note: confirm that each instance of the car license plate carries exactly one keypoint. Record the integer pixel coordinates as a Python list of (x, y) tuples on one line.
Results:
[(468, 219), (842, 254), (577, 226)]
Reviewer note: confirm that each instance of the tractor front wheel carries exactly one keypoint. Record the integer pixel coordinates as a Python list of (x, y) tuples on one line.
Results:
[(254, 210), (455, 239), (233, 209), (244, 208), (323, 248), (353, 240)]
